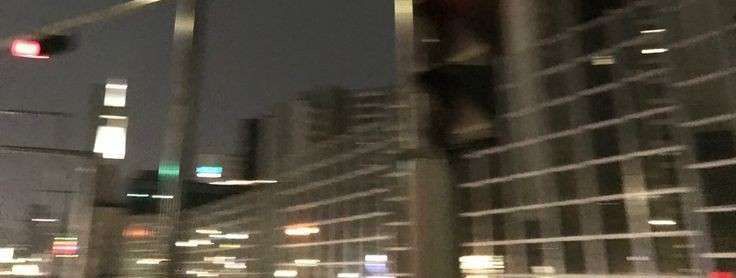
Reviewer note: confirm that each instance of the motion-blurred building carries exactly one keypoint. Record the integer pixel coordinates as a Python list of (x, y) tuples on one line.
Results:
[(614, 143), (338, 207)]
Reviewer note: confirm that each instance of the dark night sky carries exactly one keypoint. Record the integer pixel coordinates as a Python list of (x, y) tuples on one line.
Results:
[(257, 53)]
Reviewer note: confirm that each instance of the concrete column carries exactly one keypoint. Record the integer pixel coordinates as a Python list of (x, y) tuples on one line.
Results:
[(434, 213), (177, 147), (524, 62)]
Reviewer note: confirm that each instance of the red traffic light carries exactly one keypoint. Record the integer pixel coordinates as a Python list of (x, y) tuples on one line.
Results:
[(27, 49), (41, 48)]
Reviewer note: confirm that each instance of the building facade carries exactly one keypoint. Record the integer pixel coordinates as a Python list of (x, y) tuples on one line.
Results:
[(611, 156), (339, 207), (614, 142)]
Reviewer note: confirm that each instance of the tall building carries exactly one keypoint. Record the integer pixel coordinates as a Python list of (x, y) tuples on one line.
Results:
[(614, 143), (338, 208), (610, 156)]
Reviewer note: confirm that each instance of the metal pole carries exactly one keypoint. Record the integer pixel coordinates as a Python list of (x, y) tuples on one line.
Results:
[(176, 154)]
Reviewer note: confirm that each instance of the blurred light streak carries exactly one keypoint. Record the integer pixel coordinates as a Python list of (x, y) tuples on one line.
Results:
[(208, 232), (136, 195), (114, 86), (231, 236), (243, 182), (652, 31), (45, 220), (233, 265), (150, 261), (376, 258), (229, 245), (208, 171), (113, 117), (662, 222), (301, 231), (481, 262), (602, 60), (137, 232), (201, 241), (285, 273), (306, 262), (654, 51), (185, 244), (162, 196)]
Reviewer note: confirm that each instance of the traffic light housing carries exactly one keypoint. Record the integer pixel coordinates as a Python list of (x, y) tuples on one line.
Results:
[(40, 48)]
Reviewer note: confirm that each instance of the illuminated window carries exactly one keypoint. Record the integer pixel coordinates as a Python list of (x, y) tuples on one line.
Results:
[(110, 142), (115, 92)]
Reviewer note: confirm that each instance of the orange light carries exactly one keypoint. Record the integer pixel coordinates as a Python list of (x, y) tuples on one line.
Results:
[(137, 232)]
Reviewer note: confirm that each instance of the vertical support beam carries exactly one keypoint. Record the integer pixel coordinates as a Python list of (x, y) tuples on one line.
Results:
[(436, 253), (524, 60), (178, 142)]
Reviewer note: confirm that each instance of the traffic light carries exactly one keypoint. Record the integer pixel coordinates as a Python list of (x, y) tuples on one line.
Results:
[(41, 48)]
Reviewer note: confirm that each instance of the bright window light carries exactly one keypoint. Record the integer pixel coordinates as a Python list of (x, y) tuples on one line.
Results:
[(6, 254), (231, 236), (110, 142), (479, 262), (602, 60), (662, 222), (654, 50), (233, 265), (25, 270), (115, 93), (376, 258), (285, 273), (207, 274), (207, 231), (114, 86), (209, 171), (185, 244), (306, 262), (225, 245), (348, 275), (301, 231)]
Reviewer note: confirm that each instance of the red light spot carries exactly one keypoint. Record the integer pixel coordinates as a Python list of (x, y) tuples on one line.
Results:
[(65, 248), (26, 49), (721, 275)]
